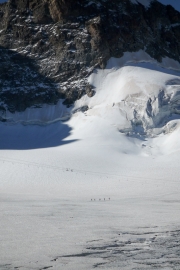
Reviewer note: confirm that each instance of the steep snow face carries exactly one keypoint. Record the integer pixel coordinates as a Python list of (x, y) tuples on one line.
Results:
[(136, 94), (45, 115)]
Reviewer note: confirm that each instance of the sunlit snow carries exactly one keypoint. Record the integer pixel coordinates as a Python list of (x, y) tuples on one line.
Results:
[(97, 190)]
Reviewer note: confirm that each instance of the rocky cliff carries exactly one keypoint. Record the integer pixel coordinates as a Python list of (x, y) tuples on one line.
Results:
[(48, 48)]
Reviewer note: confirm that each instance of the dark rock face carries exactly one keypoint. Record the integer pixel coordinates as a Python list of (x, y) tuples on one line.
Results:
[(23, 86), (49, 47)]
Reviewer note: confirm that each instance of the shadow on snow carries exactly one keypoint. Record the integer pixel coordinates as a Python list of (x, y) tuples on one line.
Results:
[(20, 137)]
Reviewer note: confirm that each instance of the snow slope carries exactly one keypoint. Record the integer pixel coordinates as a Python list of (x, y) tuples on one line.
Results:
[(135, 93), (137, 96), (97, 190)]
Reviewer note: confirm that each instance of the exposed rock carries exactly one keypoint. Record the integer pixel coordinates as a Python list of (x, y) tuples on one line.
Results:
[(90, 91), (81, 109), (49, 47)]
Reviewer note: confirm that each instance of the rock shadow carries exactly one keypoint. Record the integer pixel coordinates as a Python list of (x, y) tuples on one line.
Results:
[(22, 84), (21, 137)]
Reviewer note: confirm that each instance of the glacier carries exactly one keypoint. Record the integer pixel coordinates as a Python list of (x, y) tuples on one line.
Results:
[(96, 187)]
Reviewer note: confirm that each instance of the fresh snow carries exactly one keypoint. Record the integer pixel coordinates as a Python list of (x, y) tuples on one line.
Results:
[(94, 191)]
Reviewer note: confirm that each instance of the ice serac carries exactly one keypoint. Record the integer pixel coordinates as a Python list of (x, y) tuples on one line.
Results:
[(48, 49), (136, 94)]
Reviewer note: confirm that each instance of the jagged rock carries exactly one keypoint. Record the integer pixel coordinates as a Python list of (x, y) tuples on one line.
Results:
[(81, 109), (89, 91), (61, 41)]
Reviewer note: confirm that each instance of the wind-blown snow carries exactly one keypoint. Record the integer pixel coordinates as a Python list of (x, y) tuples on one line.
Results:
[(99, 190)]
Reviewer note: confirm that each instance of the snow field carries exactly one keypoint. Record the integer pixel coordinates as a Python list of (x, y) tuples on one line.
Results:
[(94, 191)]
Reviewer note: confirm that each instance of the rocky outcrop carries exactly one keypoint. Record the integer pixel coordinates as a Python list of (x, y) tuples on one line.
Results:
[(49, 47)]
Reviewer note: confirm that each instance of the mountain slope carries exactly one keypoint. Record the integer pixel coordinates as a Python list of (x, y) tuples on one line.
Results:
[(56, 46), (85, 192)]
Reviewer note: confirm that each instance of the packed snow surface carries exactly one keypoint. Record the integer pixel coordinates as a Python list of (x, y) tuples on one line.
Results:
[(101, 189)]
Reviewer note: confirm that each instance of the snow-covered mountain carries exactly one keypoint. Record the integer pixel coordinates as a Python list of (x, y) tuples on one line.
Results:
[(101, 189), (49, 49), (81, 57), (89, 135), (135, 93)]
